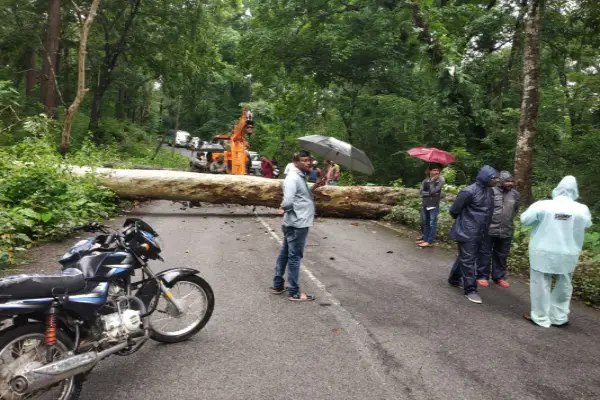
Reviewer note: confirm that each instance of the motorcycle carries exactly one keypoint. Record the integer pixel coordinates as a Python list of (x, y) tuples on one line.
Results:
[(58, 327)]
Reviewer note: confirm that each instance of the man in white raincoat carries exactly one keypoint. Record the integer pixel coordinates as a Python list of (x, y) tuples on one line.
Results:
[(556, 241)]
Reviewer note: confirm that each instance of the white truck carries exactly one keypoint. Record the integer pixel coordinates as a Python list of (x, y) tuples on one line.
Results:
[(181, 138)]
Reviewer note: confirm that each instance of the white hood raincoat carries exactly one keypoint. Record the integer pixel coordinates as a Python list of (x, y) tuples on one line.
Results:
[(558, 229)]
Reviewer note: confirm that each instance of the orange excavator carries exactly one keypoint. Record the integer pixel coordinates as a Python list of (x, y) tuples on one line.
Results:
[(236, 144)]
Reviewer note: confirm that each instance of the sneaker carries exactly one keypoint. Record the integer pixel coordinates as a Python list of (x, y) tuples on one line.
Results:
[(482, 283), (503, 284), (454, 284), (474, 297)]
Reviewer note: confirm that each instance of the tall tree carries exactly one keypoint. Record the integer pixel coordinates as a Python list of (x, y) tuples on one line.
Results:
[(50, 62), (530, 102), (81, 89), (113, 49)]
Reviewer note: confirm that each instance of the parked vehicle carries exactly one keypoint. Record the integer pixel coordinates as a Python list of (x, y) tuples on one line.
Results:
[(195, 143), (63, 324), (181, 138), (255, 168)]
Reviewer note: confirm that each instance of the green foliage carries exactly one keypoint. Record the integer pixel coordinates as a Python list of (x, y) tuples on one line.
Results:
[(39, 198)]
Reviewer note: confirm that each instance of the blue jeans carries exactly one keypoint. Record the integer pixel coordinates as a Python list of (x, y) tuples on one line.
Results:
[(430, 218), (290, 255)]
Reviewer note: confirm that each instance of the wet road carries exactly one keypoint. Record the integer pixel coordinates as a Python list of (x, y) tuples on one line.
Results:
[(384, 326)]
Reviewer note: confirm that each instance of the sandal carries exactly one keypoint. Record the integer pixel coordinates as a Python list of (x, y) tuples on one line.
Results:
[(425, 244), (301, 297), (278, 291), (528, 318)]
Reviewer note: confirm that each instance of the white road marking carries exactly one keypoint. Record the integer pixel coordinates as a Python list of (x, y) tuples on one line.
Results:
[(369, 349)]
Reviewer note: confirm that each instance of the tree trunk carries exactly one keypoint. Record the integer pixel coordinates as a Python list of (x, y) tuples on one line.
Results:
[(81, 90), (119, 105), (513, 51), (146, 110), (530, 101), (338, 201), (29, 71), (51, 43), (66, 75), (178, 112), (97, 106)]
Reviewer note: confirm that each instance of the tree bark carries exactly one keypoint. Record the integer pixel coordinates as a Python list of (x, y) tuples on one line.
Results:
[(97, 104), (513, 50), (335, 201), (81, 90), (29, 71), (530, 101), (119, 105), (66, 74), (49, 65)]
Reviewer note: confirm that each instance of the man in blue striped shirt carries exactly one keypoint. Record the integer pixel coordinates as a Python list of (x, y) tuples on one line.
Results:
[(298, 210)]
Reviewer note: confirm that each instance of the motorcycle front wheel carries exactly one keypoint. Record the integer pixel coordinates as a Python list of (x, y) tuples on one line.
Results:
[(23, 348), (197, 300)]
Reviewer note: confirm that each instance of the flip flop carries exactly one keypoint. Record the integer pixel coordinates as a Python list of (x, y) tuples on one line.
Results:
[(301, 297), (528, 318)]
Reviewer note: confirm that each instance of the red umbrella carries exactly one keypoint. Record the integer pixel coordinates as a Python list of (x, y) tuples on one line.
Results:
[(432, 155)]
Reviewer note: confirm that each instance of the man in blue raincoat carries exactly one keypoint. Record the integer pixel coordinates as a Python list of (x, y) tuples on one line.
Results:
[(472, 212), (556, 240)]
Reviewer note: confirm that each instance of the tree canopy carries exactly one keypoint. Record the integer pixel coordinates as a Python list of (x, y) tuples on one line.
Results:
[(385, 75)]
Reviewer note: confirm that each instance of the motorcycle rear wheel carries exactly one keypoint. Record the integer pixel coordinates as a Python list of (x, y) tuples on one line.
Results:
[(22, 347)]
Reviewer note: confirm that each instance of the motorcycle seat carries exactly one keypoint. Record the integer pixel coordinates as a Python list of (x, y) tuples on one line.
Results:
[(38, 285)]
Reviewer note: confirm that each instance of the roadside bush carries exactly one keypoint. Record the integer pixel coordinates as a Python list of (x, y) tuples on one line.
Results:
[(40, 198), (586, 280)]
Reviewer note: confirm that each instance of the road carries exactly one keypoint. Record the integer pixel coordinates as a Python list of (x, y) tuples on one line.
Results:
[(385, 324)]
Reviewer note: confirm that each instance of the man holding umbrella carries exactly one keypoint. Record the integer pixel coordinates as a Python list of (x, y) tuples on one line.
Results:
[(431, 190), (431, 194)]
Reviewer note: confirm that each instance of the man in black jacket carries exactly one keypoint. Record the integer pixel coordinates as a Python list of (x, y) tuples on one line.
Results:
[(472, 211), (431, 193), (496, 244)]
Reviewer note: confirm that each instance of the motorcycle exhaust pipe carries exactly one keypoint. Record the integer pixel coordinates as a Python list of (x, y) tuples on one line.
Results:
[(57, 371)]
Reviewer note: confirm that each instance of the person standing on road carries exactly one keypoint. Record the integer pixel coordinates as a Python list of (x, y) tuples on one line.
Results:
[(496, 243), (315, 172), (472, 211), (333, 173), (556, 241), (266, 167), (219, 166), (298, 210), (431, 194)]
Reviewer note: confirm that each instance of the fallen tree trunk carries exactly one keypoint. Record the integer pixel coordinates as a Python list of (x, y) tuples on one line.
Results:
[(335, 201)]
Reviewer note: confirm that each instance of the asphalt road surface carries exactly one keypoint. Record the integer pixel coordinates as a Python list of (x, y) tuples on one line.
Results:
[(385, 324)]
